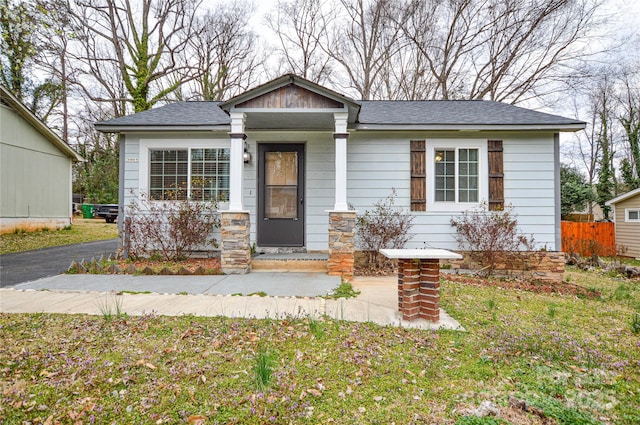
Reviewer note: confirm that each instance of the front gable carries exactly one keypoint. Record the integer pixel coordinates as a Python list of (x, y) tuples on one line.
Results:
[(291, 96)]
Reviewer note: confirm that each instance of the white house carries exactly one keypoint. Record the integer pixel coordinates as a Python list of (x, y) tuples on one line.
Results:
[(313, 152), (35, 170)]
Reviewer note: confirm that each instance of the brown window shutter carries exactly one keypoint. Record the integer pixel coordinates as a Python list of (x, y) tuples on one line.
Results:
[(418, 176), (496, 175)]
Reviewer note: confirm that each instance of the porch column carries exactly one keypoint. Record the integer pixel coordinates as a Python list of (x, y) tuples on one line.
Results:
[(340, 136), (235, 257), (342, 222), (236, 171)]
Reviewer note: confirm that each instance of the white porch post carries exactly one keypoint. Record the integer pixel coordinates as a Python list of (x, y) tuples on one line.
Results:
[(236, 172), (340, 136)]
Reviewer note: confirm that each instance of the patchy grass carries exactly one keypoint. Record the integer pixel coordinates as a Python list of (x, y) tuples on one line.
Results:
[(344, 290), (569, 359), (83, 230)]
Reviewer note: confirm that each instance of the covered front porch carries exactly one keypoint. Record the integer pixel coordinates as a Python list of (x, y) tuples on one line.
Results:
[(288, 175)]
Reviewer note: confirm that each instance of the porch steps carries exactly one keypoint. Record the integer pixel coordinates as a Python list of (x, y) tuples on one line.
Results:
[(290, 262)]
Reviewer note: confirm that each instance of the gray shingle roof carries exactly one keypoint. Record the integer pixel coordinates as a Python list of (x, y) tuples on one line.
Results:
[(454, 112), (429, 112), (175, 114)]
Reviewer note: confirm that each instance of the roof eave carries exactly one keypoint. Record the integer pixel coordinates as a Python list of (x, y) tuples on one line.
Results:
[(472, 128), (104, 128), (623, 197)]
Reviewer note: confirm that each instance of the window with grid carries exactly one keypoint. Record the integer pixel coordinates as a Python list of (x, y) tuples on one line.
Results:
[(169, 173), (210, 174), (200, 173), (456, 175)]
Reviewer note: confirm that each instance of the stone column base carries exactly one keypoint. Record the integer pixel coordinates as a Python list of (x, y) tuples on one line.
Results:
[(341, 243), (235, 257), (419, 289)]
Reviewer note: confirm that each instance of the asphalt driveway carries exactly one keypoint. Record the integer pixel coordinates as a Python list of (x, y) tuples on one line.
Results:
[(31, 265)]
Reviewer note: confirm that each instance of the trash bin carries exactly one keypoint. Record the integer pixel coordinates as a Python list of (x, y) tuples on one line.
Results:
[(87, 210)]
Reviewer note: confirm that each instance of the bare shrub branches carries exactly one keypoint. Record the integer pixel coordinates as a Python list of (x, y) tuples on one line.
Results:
[(385, 226), (492, 238), (171, 229)]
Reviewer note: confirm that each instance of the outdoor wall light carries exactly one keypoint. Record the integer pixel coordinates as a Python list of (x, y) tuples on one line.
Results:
[(246, 155)]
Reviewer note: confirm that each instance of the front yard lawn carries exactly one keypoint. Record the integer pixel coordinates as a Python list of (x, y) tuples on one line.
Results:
[(82, 230), (563, 358)]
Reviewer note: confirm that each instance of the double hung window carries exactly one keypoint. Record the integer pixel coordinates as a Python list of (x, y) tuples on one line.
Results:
[(456, 175)]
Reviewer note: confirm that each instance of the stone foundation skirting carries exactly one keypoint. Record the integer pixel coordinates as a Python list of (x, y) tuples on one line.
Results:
[(235, 257), (543, 266), (342, 226)]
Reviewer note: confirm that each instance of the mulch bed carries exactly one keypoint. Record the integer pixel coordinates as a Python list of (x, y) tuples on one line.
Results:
[(211, 265), (564, 288)]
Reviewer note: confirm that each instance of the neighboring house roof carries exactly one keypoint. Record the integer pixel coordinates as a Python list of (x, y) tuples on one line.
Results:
[(623, 197), (10, 100), (366, 115)]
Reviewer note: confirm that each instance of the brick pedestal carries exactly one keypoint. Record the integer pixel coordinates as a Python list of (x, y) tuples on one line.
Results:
[(235, 244), (419, 289), (341, 244)]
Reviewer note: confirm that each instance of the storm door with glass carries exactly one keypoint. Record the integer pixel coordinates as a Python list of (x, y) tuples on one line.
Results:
[(281, 195)]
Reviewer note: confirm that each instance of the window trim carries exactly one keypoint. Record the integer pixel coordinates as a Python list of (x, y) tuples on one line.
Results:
[(631, 220), (483, 178), (146, 145)]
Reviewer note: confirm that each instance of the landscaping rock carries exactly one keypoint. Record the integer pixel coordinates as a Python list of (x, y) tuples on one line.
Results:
[(184, 272), (73, 267), (486, 408), (148, 271), (114, 269), (199, 271), (166, 272), (131, 269)]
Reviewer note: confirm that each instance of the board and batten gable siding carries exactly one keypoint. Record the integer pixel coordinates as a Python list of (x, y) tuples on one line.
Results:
[(628, 232), (35, 175)]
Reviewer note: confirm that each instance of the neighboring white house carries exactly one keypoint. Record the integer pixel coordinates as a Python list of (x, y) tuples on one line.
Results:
[(314, 151), (35, 170), (626, 215)]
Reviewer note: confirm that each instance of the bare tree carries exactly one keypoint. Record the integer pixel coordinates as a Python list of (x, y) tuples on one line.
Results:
[(139, 46), (364, 43), (224, 51), (629, 117), (504, 50), (300, 26)]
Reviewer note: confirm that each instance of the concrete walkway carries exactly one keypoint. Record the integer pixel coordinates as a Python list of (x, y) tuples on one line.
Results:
[(289, 295)]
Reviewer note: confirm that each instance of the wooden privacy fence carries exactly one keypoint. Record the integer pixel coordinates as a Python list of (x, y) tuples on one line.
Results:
[(588, 238)]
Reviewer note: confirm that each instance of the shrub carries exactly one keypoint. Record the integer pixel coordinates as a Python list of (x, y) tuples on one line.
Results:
[(492, 237), (386, 226), (171, 229)]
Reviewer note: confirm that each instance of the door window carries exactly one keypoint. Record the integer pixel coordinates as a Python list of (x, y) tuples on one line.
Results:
[(281, 185)]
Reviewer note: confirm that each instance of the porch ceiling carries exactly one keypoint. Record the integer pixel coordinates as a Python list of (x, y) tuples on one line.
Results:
[(290, 120)]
